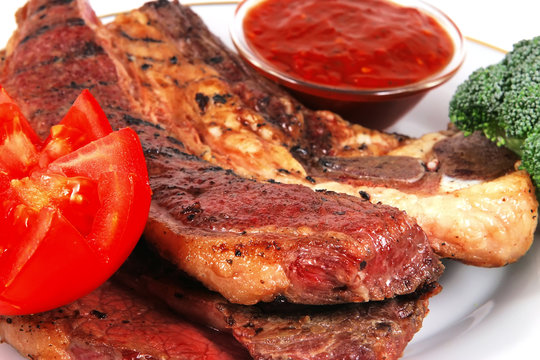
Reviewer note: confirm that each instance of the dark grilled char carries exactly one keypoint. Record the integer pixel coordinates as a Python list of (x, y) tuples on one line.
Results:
[(186, 80), (309, 247), (309, 136), (206, 80), (197, 42)]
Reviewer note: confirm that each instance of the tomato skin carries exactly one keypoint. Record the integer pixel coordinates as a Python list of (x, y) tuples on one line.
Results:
[(119, 194), (71, 219), (60, 271), (84, 123)]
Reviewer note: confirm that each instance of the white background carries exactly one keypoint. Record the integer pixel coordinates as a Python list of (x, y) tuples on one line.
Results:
[(498, 22)]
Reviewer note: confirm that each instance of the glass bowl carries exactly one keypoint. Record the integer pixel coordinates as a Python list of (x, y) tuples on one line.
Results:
[(375, 108)]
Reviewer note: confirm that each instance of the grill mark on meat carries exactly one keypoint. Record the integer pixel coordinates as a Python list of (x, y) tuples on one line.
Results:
[(51, 3), (45, 28), (300, 138), (222, 112), (137, 122), (269, 124), (144, 39), (85, 50), (44, 54), (182, 23), (320, 133), (202, 101), (319, 252), (312, 143)]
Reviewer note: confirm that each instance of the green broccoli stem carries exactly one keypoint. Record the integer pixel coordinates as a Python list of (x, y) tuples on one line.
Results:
[(514, 144)]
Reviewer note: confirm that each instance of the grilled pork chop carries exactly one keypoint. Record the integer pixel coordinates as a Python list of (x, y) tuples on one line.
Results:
[(251, 241), (184, 78)]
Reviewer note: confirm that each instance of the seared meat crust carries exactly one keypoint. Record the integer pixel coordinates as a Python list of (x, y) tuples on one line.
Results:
[(253, 241), (121, 321)]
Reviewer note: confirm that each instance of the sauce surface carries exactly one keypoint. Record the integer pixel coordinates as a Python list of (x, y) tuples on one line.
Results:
[(366, 44)]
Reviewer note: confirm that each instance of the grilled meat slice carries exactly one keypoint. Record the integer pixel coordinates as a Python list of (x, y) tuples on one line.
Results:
[(185, 79), (113, 322), (280, 330), (249, 240), (253, 241)]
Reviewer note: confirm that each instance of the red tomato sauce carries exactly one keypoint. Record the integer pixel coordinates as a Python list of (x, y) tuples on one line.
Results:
[(367, 44)]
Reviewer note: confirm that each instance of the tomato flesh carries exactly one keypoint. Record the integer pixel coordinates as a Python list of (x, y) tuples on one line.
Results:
[(71, 208), (75, 197), (18, 149)]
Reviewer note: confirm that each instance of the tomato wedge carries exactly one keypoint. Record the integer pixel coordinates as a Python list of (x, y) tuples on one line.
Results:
[(84, 123), (72, 207)]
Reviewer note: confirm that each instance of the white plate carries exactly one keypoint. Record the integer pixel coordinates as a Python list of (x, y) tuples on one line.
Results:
[(481, 313)]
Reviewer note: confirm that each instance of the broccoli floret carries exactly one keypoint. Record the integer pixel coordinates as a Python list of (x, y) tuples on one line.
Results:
[(519, 115), (475, 104), (503, 101), (524, 52)]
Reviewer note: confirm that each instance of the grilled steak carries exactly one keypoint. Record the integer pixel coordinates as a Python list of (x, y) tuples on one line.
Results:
[(184, 78), (280, 330), (114, 322), (249, 240), (120, 321), (253, 241)]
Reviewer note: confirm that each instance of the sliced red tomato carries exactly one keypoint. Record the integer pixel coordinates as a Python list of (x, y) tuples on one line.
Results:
[(84, 123), (70, 216)]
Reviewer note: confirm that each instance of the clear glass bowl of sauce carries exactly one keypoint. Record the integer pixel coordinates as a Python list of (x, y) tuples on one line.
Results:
[(370, 61)]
